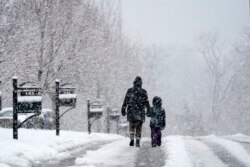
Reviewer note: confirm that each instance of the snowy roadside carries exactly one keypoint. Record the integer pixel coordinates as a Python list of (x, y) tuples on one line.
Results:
[(206, 151), (202, 155), (239, 138), (36, 146), (234, 148)]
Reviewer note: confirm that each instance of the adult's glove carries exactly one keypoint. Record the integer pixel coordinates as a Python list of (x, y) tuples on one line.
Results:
[(124, 112)]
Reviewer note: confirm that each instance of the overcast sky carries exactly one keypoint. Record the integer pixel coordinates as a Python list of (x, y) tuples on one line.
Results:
[(181, 21)]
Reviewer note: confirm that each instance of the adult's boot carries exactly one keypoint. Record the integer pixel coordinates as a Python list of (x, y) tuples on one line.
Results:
[(131, 142)]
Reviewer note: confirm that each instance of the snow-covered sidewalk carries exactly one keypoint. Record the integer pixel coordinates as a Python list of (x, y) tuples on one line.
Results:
[(44, 148), (36, 146)]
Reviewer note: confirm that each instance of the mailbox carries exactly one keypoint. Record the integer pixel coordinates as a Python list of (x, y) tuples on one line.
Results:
[(96, 110), (67, 97), (29, 100), (114, 115), (123, 124)]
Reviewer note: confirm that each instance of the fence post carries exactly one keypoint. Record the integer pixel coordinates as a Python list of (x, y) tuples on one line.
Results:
[(15, 109), (0, 100), (117, 126), (57, 108), (108, 121), (0, 95), (88, 112)]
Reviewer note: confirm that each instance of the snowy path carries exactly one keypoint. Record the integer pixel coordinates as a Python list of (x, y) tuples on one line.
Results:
[(115, 154), (148, 156)]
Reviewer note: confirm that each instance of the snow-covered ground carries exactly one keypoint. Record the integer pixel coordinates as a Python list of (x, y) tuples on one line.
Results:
[(43, 148), (38, 146)]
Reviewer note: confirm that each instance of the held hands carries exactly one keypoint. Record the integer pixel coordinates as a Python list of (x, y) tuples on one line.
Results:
[(124, 113)]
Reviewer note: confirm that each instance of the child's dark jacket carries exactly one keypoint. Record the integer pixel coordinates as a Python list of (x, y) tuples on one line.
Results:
[(157, 115)]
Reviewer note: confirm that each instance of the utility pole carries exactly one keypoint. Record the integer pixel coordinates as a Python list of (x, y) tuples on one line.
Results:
[(15, 108)]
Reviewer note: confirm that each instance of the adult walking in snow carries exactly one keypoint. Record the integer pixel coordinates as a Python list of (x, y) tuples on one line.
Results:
[(134, 105)]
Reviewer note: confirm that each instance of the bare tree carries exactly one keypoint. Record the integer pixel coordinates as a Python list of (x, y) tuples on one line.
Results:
[(220, 66)]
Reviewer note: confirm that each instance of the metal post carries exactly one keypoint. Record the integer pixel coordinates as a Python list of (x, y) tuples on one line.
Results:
[(0, 97), (88, 112), (57, 108), (108, 121), (0, 100), (15, 109), (117, 126)]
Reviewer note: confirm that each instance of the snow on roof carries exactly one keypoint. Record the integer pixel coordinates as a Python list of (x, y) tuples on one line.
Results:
[(123, 125), (96, 109), (6, 109), (29, 98), (114, 114), (14, 77), (67, 96), (34, 87)]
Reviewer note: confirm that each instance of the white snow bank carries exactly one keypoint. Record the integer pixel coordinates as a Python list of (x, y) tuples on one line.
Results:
[(36, 146), (202, 155), (112, 155), (232, 147), (176, 151), (123, 125), (29, 98), (4, 165), (239, 138)]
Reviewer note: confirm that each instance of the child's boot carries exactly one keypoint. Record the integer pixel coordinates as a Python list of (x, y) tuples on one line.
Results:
[(137, 143)]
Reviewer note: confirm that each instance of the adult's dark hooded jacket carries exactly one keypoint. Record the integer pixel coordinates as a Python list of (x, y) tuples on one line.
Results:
[(136, 101)]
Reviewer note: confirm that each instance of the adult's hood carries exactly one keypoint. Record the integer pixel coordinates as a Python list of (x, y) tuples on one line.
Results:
[(138, 82)]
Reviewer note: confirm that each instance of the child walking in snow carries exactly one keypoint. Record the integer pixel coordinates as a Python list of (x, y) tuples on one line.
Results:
[(157, 121)]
